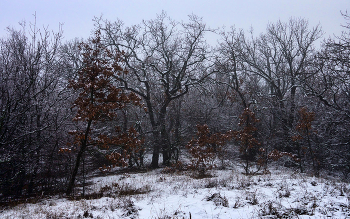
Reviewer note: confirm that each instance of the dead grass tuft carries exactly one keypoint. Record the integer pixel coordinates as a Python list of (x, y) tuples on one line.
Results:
[(218, 199)]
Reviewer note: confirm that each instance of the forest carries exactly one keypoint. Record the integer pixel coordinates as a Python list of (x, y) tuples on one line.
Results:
[(158, 95)]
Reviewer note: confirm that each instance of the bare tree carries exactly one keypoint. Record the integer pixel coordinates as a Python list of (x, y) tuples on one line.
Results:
[(31, 116), (230, 65), (165, 58), (330, 84), (280, 57)]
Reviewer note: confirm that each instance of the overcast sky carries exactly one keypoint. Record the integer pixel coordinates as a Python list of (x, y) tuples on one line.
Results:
[(77, 15)]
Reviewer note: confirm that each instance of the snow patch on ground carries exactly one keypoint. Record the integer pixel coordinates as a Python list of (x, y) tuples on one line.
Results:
[(228, 194)]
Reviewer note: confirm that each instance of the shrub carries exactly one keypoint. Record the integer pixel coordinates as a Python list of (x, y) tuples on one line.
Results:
[(249, 145), (205, 147)]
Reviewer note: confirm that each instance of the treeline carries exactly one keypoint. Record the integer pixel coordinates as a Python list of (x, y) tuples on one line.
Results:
[(159, 89)]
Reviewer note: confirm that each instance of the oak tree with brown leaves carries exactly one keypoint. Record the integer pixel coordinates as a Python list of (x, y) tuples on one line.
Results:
[(99, 100)]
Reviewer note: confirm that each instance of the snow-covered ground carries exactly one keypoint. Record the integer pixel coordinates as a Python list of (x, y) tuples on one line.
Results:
[(228, 194)]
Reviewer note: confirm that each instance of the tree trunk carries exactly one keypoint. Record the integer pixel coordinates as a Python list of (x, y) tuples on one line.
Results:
[(156, 149), (292, 106), (165, 147), (165, 142), (79, 156), (161, 137)]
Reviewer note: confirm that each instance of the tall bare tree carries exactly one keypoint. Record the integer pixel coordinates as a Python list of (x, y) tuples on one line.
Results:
[(280, 58), (164, 59), (330, 84)]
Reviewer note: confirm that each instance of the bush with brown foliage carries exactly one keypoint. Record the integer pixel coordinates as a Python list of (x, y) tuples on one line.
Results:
[(205, 147), (249, 144)]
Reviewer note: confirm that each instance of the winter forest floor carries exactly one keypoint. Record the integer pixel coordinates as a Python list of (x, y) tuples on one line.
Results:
[(226, 194)]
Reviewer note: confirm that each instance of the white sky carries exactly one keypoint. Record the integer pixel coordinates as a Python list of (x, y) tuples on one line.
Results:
[(77, 15)]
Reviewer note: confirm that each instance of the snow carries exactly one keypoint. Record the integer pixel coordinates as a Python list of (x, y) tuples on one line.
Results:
[(228, 194)]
